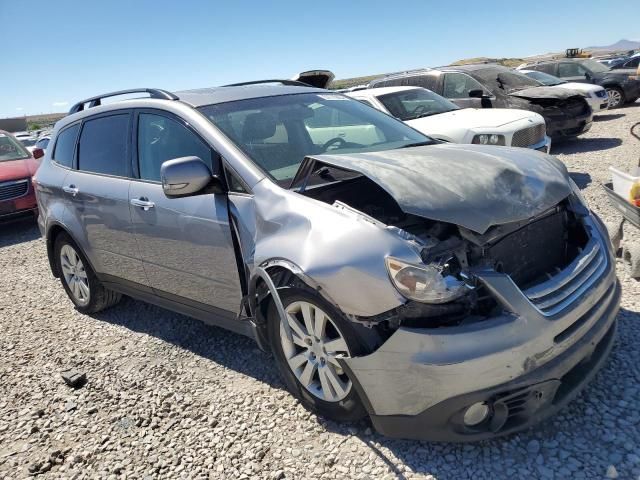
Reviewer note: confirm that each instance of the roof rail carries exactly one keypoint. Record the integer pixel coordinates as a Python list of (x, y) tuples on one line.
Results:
[(258, 82), (97, 100)]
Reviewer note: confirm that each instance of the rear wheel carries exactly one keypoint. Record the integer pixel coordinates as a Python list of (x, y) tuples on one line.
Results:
[(309, 361), (616, 97), (78, 279)]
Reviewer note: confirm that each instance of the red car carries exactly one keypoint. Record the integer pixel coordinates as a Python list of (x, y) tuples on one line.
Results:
[(17, 167)]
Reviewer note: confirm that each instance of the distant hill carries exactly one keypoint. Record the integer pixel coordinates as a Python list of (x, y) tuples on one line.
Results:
[(619, 45)]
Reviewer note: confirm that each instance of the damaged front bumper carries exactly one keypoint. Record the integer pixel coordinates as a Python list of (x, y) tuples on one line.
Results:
[(523, 366)]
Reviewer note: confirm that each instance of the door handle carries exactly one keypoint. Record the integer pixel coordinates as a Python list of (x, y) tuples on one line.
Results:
[(71, 189), (142, 202)]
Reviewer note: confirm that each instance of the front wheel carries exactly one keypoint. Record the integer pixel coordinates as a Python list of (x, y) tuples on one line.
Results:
[(309, 361), (616, 97)]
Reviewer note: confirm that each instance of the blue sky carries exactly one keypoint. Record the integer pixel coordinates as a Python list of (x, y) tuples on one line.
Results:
[(59, 51)]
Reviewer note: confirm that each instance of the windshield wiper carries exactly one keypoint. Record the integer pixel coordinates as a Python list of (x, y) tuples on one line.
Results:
[(426, 114), (417, 144)]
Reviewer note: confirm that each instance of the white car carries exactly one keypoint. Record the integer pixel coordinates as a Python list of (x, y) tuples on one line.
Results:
[(595, 95), (439, 118)]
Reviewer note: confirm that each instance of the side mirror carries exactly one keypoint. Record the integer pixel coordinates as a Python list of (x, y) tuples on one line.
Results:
[(587, 75), (476, 93), (186, 176), (37, 153)]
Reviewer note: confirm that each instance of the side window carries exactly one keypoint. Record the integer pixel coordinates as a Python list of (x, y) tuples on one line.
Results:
[(570, 70), (66, 142), (161, 139), (424, 81), (103, 145), (458, 85), (633, 63), (42, 143)]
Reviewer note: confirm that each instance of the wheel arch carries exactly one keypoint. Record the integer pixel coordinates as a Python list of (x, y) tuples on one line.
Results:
[(265, 283), (53, 231)]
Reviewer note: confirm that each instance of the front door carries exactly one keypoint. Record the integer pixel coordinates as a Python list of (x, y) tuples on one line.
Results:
[(97, 195), (456, 87), (573, 72), (186, 243)]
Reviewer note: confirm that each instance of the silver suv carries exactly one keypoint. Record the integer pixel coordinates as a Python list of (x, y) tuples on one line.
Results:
[(450, 292)]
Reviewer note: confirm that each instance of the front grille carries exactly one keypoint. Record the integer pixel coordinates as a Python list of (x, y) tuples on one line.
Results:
[(601, 93), (13, 189), (554, 295), (528, 136)]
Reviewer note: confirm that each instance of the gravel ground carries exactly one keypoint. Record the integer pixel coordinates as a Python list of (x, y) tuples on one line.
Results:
[(169, 397)]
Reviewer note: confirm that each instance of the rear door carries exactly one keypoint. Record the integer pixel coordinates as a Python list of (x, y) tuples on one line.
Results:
[(186, 243), (98, 197)]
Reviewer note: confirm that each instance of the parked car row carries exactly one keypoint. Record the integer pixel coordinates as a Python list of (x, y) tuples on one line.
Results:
[(449, 292)]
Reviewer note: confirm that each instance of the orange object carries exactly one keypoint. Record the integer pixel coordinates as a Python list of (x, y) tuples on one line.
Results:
[(634, 194)]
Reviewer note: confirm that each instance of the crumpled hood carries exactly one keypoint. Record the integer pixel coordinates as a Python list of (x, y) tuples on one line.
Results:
[(468, 185), (545, 92)]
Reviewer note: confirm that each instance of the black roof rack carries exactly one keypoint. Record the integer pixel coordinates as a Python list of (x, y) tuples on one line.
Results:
[(97, 100), (258, 82)]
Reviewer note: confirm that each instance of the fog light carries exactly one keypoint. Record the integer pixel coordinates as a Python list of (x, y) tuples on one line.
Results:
[(476, 414)]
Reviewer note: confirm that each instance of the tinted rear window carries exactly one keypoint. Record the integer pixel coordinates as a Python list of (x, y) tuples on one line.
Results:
[(66, 142), (103, 146)]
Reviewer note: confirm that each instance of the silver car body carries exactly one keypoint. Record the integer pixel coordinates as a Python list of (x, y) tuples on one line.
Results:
[(181, 254)]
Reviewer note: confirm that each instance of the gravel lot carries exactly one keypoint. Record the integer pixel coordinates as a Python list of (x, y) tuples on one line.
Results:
[(169, 397)]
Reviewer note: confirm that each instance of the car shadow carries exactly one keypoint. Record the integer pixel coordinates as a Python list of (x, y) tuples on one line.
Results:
[(584, 145), (582, 179), (17, 231), (233, 351), (580, 424), (607, 116)]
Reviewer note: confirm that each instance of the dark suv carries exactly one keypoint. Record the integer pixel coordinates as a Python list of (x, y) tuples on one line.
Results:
[(566, 112), (622, 85)]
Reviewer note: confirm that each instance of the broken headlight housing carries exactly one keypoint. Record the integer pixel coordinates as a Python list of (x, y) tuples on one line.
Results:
[(424, 283)]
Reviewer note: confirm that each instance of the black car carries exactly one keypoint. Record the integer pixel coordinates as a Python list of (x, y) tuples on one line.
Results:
[(566, 112), (629, 62), (622, 84)]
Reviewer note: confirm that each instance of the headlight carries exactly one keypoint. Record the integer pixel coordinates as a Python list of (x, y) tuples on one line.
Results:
[(424, 283), (488, 139), (578, 193)]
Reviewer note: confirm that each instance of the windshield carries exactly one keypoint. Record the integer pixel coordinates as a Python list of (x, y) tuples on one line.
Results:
[(545, 78), (278, 132), (415, 103), (10, 149), (593, 66), (505, 79)]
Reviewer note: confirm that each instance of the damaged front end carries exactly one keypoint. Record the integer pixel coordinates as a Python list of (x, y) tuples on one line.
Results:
[(566, 112), (502, 323)]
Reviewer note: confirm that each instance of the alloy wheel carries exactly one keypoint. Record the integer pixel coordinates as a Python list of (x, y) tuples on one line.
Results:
[(75, 275), (312, 355), (615, 98)]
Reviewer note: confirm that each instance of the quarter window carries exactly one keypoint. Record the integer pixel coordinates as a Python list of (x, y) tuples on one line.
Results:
[(458, 85), (103, 146), (65, 144), (161, 139)]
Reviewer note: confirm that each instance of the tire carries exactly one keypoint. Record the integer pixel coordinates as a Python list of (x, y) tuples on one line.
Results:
[(631, 260), (88, 294), (359, 341), (617, 95)]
